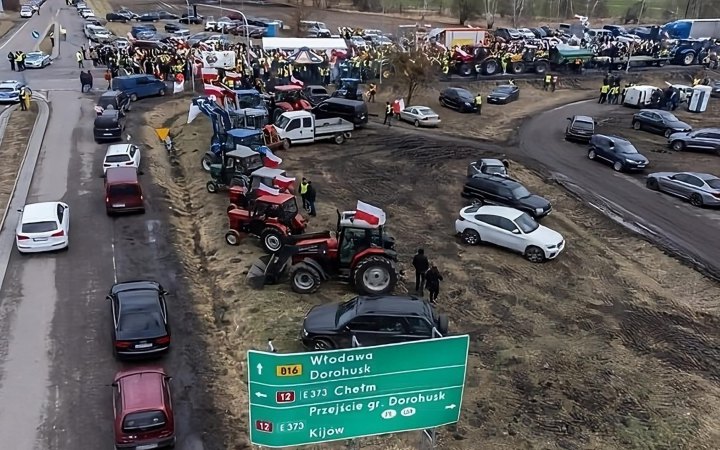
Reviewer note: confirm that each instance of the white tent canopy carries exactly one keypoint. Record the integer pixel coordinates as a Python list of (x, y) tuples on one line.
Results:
[(275, 43)]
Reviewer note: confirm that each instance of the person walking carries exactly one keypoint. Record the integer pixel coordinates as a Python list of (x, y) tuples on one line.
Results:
[(52, 39), (478, 103), (310, 195), (79, 56), (388, 114), (421, 265), (303, 194), (23, 100), (11, 59), (432, 280)]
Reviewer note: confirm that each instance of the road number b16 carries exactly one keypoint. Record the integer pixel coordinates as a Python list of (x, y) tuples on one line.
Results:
[(291, 370)]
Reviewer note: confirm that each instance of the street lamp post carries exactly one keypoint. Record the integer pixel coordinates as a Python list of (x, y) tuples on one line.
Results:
[(247, 36)]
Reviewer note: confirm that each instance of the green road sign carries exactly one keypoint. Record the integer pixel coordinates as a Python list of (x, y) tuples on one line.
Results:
[(306, 398)]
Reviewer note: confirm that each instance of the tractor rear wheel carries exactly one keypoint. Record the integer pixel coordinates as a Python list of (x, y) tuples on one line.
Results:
[(304, 279), (375, 275), (271, 239), (232, 237), (212, 187)]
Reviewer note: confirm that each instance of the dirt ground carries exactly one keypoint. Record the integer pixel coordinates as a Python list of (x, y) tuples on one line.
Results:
[(7, 24), (613, 345), (12, 148)]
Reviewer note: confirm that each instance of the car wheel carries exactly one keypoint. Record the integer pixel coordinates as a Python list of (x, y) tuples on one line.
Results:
[(416, 123), (591, 154), (696, 200), (272, 240), (133, 97), (534, 254), (678, 146), (232, 237), (322, 344), (161, 93), (637, 125), (618, 167), (668, 132), (211, 187), (652, 184), (471, 237), (339, 138)]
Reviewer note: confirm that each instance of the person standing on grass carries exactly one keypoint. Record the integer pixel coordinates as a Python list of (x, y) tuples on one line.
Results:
[(310, 195), (432, 280), (421, 265)]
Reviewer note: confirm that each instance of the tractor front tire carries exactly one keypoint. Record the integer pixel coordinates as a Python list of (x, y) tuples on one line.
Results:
[(375, 275), (232, 237), (272, 239), (304, 279)]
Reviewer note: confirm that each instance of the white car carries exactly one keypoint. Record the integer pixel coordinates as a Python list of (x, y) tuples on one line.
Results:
[(121, 155), (509, 228), (86, 13), (358, 42), (527, 33), (27, 11), (43, 227), (37, 60), (420, 116), (80, 5), (210, 24), (10, 91)]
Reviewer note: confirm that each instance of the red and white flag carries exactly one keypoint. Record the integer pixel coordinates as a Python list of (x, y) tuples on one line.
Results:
[(271, 160), (233, 75), (283, 182), (295, 81), (264, 189), (369, 213), (211, 89)]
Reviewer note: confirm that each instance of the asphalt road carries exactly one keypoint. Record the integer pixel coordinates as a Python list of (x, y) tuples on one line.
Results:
[(679, 228), (56, 359)]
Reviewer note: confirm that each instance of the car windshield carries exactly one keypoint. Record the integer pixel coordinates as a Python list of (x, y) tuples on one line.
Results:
[(625, 147), (39, 227), (714, 183), (282, 122), (526, 223), (464, 95), (250, 101), (520, 192), (144, 421), (345, 312), (117, 158), (582, 125), (6, 89), (124, 190), (495, 170)]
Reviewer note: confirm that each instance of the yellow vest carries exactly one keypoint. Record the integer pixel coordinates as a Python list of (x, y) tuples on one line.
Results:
[(303, 188), (478, 100), (548, 78), (604, 89)]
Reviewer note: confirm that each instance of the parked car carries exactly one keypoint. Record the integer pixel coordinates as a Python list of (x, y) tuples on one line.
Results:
[(420, 116), (527, 33), (619, 152), (210, 24), (99, 34), (488, 166), (139, 86), (580, 128), (142, 409), (109, 126), (189, 19), (358, 42), (354, 111), (10, 91), (372, 321), (26, 11), (43, 227), (119, 16), (509, 228), (87, 13), (148, 17), (172, 27), (315, 93), (508, 34), (659, 121), (224, 23), (37, 60), (705, 139), (117, 100), (504, 94), (122, 155), (140, 319), (700, 189), (459, 99), (166, 15), (143, 32), (123, 193), (502, 191)]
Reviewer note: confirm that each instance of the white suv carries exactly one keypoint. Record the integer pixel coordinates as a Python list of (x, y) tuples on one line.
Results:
[(509, 228), (121, 155)]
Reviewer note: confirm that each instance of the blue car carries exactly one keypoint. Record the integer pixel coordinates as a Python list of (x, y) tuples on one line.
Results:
[(139, 86), (10, 91)]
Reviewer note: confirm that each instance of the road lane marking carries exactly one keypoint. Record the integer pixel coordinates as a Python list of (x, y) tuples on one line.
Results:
[(13, 35), (112, 246), (167, 5), (152, 227)]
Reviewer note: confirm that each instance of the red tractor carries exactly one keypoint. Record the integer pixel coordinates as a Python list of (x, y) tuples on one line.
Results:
[(246, 187), (357, 252), (269, 217), (289, 98)]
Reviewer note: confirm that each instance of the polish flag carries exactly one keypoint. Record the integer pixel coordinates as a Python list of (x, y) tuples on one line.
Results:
[(211, 89), (264, 189), (295, 81), (283, 182), (271, 160), (369, 213), (233, 75), (208, 74)]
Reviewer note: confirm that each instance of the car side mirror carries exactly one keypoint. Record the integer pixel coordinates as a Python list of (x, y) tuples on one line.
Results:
[(569, 118), (166, 293), (515, 231), (107, 297)]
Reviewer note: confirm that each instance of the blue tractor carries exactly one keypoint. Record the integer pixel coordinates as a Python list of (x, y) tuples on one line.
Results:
[(349, 88)]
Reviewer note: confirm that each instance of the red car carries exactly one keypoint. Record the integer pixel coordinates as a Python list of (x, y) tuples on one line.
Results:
[(143, 409)]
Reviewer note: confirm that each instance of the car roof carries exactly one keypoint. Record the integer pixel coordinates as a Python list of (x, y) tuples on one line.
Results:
[(38, 52), (458, 89), (134, 285), (267, 172), (392, 304), (34, 212), (491, 162), (241, 151), (118, 149), (121, 175), (703, 176), (243, 132), (585, 119), (10, 83), (141, 389), (275, 199), (497, 179), (287, 87), (502, 211)]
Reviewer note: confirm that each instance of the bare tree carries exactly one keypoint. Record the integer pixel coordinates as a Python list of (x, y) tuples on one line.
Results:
[(300, 14), (490, 10), (517, 10), (414, 69), (465, 9)]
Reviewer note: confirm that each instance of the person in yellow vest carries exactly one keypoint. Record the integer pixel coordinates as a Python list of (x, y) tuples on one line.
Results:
[(478, 103), (604, 90), (24, 100), (19, 60), (548, 80), (696, 81), (303, 193), (614, 94), (446, 69)]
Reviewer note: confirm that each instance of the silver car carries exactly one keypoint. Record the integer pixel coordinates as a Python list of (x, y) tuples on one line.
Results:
[(706, 139), (420, 116), (701, 189), (37, 60)]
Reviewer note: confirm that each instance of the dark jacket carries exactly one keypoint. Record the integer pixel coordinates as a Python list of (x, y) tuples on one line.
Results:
[(433, 279), (86, 78), (310, 194), (420, 263)]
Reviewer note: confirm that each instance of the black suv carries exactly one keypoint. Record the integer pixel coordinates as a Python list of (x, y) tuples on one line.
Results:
[(617, 151), (109, 126), (580, 128), (372, 321), (502, 191), (117, 100), (457, 98)]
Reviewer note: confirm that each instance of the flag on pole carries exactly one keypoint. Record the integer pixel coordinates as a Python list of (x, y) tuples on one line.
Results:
[(178, 87), (264, 189), (369, 214), (271, 160), (283, 182), (295, 81), (193, 112)]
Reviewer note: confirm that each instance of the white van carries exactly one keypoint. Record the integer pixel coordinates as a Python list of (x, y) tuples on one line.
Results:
[(639, 96)]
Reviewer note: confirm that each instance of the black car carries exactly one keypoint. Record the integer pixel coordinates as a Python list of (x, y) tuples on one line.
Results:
[(172, 27), (459, 99), (109, 126), (164, 15), (502, 95), (617, 151), (148, 17), (140, 319), (188, 19), (117, 100), (580, 128), (372, 321), (659, 121), (500, 190), (315, 94), (120, 16)]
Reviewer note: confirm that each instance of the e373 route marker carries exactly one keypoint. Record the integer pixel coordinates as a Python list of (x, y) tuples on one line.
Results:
[(307, 398)]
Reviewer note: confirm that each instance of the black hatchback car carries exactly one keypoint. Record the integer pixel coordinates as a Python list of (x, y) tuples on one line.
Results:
[(372, 321), (580, 128), (504, 94), (109, 126), (617, 151), (459, 99), (117, 100), (502, 191), (140, 319), (659, 121)]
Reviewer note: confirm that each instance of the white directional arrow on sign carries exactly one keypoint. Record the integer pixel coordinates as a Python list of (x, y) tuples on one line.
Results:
[(450, 406), (259, 368), (260, 395)]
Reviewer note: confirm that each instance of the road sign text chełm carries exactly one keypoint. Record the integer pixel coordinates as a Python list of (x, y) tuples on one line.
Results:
[(305, 398)]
